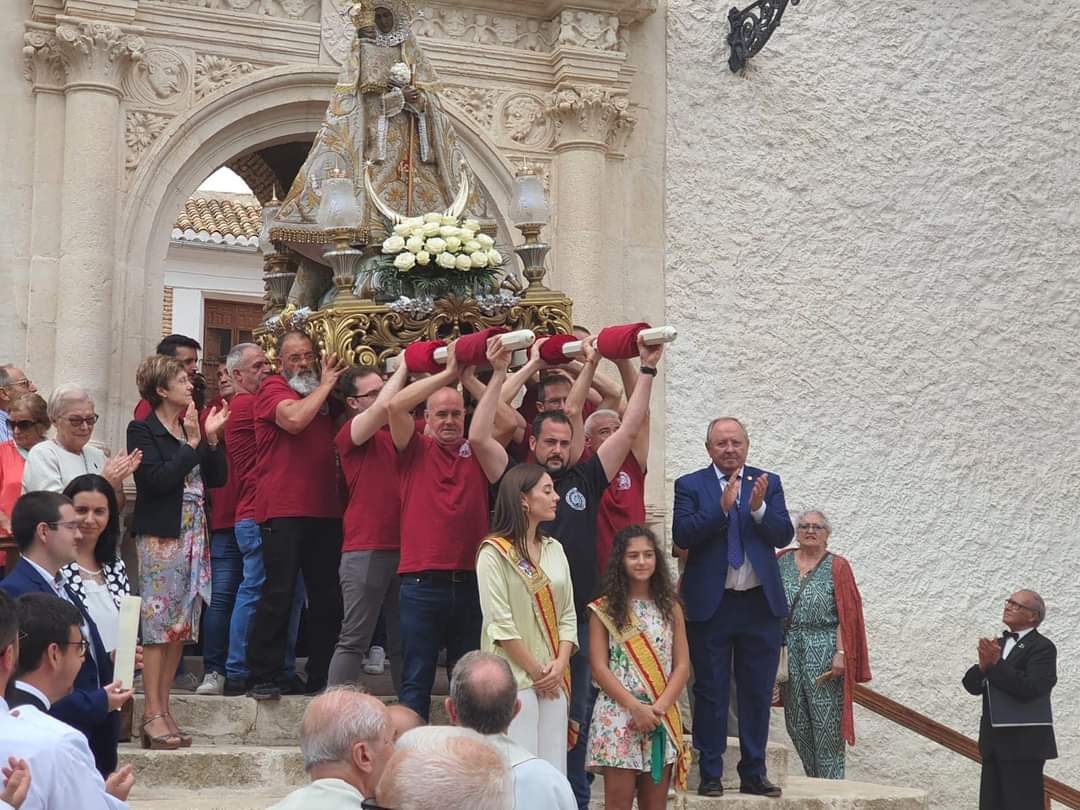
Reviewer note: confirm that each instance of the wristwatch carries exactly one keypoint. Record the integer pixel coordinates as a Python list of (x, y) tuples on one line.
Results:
[(650, 370)]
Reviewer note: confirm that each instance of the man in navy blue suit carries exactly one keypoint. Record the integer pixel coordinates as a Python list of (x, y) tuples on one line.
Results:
[(732, 518), (46, 530)]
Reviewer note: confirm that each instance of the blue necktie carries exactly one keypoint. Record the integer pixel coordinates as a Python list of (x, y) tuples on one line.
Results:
[(735, 556)]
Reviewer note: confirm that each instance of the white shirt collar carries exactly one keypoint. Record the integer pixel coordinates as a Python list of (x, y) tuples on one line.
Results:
[(50, 578), (33, 690), (725, 478), (1021, 633)]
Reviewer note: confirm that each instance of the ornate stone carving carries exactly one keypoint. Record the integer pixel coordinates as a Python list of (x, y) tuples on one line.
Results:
[(96, 52), (43, 64), (142, 129), (524, 121), (589, 113), (588, 29), (477, 102), (213, 72), (290, 9), (483, 28), (161, 77)]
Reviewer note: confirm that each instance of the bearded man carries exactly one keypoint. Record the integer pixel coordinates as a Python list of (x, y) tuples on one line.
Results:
[(299, 512)]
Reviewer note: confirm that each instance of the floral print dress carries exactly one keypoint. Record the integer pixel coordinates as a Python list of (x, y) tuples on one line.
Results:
[(174, 574), (612, 742)]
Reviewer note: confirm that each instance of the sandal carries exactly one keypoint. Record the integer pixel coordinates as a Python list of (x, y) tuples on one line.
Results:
[(185, 739), (162, 742)]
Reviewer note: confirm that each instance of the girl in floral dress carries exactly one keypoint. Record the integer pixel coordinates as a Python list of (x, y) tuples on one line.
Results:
[(640, 660)]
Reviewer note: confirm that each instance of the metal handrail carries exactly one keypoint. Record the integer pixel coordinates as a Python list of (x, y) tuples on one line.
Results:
[(953, 740)]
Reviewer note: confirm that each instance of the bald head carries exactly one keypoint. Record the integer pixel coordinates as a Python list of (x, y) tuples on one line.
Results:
[(445, 415), (483, 693), (403, 719), (436, 767)]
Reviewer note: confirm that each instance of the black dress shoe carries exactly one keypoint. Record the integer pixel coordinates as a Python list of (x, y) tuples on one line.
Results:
[(760, 787), (710, 787), (265, 691), (235, 687)]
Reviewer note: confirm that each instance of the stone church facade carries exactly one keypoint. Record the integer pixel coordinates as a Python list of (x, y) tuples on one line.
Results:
[(868, 241)]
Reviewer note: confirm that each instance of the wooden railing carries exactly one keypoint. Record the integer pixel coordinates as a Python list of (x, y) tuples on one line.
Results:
[(953, 740)]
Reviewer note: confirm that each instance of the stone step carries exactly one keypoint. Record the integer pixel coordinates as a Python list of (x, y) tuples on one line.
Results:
[(801, 793), (213, 768)]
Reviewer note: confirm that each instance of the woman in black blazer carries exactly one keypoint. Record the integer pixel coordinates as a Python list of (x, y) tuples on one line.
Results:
[(180, 462)]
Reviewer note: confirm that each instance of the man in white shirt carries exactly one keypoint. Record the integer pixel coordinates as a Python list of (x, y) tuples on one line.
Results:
[(346, 738), (483, 697), (63, 771)]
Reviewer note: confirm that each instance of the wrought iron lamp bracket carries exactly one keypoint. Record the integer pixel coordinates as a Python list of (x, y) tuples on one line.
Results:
[(751, 28)]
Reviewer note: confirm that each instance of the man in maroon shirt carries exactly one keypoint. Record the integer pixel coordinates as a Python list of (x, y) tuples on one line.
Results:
[(299, 513), (247, 367), (370, 553), (444, 515)]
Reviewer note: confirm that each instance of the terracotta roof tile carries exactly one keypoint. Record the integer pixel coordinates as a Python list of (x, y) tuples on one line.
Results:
[(219, 218)]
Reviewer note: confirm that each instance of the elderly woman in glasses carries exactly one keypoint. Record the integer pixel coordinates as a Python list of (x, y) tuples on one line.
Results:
[(53, 463), (826, 648)]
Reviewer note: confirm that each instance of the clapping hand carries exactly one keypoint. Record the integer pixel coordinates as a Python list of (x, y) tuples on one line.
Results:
[(216, 419), (191, 425), (989, 653), (757, 494), (121, 466), (731, 493), (16, 782)]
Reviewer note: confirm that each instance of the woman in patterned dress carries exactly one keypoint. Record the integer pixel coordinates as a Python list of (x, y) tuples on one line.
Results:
[(170, 524), (98, 575), (621, 735), (826, 644)]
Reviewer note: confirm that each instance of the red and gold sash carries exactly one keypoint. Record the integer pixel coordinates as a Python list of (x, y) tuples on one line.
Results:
[(650, 672), (544, 609)]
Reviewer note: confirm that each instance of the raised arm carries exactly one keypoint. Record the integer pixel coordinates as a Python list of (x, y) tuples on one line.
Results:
[(640, 447), (522, 376), (489, 452), (402, 404), (365, 425), (294, 415), (613, 452), (506, 418)]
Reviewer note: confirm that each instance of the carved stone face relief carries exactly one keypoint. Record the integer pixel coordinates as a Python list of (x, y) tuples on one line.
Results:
[(523, 120), (160, 78)]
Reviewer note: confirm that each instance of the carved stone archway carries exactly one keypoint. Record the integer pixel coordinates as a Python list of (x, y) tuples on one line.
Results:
[(264, 108)]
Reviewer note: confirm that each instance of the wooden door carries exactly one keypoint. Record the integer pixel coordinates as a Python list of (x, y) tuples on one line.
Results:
[(225, 324)]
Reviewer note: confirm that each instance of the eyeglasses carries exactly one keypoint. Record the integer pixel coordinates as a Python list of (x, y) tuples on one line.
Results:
[(817, 527), (368, 804), (70, 525), (1017, 606), (82, 644), (23, 383), (368, 395), (79, 421), (21, 424), (296, 358)]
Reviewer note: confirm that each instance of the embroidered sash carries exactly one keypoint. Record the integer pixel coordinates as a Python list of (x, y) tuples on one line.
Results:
[(545, 611), (649, 669)]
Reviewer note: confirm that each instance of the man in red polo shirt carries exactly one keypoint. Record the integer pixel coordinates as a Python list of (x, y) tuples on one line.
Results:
[(298, 510), (623, 502), (371, 550), (444, 514)]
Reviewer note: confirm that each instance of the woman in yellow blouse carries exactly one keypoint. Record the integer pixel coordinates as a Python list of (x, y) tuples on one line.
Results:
[(528, 605)]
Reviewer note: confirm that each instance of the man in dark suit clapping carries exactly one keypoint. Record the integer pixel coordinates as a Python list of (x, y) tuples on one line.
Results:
[(1017, 670), (732, 518)]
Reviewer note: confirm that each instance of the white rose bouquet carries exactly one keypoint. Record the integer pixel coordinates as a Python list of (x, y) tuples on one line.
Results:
[(436, 255)]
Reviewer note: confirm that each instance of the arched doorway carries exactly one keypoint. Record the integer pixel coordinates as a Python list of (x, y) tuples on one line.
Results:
[(269, 107)]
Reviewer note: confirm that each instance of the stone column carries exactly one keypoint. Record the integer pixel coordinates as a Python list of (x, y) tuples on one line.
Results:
[(96, 55), (586, 118), (44, 68)]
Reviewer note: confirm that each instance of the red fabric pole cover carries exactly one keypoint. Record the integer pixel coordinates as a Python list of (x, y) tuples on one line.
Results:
[(471, 349), (420, 357), (619, 342), (551, 351)]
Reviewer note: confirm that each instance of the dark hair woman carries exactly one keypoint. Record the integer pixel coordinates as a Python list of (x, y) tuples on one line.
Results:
[(98, 575), (527, 601)]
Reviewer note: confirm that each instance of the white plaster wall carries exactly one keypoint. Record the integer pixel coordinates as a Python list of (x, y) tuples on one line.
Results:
[(873, 259), (198, 272)]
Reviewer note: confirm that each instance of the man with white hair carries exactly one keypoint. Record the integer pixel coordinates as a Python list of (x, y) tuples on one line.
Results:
[(346, 738), (483, 697), (441, 767)]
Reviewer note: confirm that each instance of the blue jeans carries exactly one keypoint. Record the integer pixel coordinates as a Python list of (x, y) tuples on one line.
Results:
[(582, 698), (434, 614), (249, 544), (226, 570)]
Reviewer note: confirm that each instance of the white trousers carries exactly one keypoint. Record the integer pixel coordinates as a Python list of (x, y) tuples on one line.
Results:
[(541, 726)]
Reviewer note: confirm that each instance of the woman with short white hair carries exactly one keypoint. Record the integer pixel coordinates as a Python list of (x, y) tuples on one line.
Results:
[(53, 463)]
